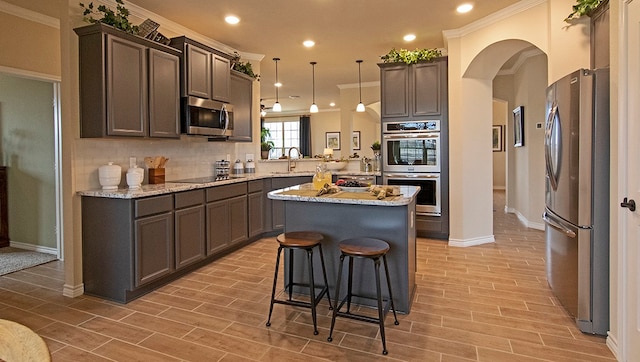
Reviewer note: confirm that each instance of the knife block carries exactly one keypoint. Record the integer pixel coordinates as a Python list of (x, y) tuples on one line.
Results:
[(156, 175)]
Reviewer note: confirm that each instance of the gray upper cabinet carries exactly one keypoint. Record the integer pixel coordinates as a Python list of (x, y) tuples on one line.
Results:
[(206, 71), (198, 72), (129, 86), (413, 91), (164, 94), (241, 98), (221, 81), (600, 36)]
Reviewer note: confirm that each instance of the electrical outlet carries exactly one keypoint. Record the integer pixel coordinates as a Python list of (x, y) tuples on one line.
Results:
[(539, 125), (132, 162)]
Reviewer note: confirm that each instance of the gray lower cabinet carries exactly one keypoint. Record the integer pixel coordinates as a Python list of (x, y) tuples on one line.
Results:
[(226, 214), (153, 247), (189, 227), (255, 205)]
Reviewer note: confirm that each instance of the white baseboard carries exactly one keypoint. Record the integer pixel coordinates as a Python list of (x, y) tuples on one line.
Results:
[(472, 242), (72, 291), (612, 343), (524, 220), (31, 247)]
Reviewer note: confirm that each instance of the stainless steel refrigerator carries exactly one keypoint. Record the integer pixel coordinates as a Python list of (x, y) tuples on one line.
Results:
[(577, 196)]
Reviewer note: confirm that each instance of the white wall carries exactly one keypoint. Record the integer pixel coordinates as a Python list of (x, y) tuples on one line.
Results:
[(500, 111)]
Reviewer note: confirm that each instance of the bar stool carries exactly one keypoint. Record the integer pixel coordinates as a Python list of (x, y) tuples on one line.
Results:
[(367, 248), (307, 241)]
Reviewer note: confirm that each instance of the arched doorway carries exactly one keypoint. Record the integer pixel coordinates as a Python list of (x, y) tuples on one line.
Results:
[(471, 99)]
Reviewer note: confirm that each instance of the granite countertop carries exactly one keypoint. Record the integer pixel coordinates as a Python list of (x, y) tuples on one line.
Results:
[(177, 186), (306, 193)]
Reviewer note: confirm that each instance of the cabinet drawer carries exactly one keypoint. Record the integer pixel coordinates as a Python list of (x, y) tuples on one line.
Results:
[(254, 186), (153, 205), (189, 198), (226, 191)]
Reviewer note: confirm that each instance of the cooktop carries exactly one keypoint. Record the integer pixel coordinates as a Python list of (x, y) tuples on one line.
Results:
[(200, 180)]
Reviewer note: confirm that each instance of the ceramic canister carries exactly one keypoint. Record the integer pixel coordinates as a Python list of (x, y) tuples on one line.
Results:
[(109, 176), (135, 175)]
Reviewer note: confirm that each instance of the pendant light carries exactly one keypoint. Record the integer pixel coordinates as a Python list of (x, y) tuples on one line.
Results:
[(276, 106), (314, 106), (360, 107)]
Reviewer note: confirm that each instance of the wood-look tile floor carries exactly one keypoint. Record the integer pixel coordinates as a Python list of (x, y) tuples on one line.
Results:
[(482, 303)]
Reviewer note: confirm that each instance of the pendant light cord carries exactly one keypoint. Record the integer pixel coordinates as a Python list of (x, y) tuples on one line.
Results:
[(359, 79)]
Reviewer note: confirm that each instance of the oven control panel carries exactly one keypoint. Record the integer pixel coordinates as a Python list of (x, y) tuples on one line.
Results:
[(412, 126)]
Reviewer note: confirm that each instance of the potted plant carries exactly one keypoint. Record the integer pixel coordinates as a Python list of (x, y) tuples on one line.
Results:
[(265, 145), (376, 147)]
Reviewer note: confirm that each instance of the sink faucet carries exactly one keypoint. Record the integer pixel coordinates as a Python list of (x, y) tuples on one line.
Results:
[(292, 164)]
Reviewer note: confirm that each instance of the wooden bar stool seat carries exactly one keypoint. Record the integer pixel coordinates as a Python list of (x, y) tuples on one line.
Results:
[(372, 249), (20, 343), (306, 241)]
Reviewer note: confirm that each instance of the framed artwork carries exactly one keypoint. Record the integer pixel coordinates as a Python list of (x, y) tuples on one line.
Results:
[(496, 138), (333, 140), (355, 140), (518, 127)]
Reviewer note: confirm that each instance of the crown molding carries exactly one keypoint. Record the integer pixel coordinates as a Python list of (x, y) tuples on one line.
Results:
[(29, 15), (492, 19)]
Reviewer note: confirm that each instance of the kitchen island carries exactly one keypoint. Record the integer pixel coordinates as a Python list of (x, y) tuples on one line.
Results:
[(357, 214)]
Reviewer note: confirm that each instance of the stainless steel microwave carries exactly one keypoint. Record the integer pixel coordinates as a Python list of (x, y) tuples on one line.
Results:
[(205, 117)]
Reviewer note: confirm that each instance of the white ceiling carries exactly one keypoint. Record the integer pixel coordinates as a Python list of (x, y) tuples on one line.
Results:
[(344, 31)]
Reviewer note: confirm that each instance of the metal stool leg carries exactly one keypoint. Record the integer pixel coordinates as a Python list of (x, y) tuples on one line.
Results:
[(376, 267), (386, 271), (312, 291), (350, 284), (273, 290), (324, 275), (290, 251), (337, 299)]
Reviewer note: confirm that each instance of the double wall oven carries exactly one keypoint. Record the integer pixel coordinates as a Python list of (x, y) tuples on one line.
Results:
[(411, 156)]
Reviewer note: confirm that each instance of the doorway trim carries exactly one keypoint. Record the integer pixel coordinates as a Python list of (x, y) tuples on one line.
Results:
[(57, 133)]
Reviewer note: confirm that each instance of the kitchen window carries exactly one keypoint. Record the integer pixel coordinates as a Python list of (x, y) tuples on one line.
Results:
[(285, 133)]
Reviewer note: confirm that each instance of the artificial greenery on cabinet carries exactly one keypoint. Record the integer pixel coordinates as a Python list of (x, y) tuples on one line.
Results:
[(411, 56), (583, 7)]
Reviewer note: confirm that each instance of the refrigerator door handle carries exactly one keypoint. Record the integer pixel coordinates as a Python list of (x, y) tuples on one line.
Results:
[(550, 220), (551, 127)]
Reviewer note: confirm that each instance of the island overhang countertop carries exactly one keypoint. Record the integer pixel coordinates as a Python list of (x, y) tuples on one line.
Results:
[(306, 193)]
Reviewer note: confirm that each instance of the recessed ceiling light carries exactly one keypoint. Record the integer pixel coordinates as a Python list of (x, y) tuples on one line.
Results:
[(332, 104), (231, 19), (409, 37), (308, 43), (464, 8), (278, 84)]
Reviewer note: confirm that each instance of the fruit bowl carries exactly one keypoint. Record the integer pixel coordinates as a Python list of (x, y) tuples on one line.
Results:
[(335, 165)]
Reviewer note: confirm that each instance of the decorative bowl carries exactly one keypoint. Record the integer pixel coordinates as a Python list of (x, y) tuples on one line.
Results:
[(335, 165)]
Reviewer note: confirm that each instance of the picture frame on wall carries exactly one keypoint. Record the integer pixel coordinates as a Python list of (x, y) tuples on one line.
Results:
[(497, 138), (518, 126), (355, 140), (333, 140)]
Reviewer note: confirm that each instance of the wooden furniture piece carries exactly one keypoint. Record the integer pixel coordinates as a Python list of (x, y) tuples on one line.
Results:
[(374, 250), (4, 210), (20, 343), (305, 241)]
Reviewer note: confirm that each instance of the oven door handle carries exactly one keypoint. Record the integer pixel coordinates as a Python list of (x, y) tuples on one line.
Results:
[(412, 176), (411, 135)]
